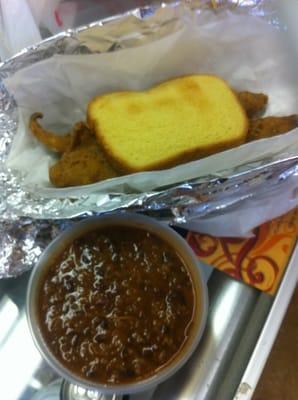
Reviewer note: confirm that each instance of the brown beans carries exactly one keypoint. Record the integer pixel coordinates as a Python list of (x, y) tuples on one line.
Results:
[(116, 305)]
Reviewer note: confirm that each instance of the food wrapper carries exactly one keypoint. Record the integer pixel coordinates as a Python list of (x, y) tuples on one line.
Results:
[(227, 194)]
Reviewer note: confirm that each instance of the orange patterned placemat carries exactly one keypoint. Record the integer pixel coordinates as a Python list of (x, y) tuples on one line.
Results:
[(259, 261)]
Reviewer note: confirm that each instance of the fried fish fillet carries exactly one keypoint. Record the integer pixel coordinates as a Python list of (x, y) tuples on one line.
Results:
[(83, 162), (262, 128), (51, 140), (253, 103)]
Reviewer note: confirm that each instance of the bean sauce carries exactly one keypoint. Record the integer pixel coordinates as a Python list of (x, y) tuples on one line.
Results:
[(116, 306)]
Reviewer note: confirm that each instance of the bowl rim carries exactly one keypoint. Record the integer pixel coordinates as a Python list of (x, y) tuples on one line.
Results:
[(130, 220)]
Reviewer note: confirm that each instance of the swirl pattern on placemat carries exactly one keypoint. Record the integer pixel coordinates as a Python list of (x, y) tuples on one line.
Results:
[(260, 260)]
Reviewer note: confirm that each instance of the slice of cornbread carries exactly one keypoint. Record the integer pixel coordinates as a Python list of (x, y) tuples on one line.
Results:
[(177, 121)]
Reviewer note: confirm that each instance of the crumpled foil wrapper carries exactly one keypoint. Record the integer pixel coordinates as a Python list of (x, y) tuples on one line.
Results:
[(29, 222)]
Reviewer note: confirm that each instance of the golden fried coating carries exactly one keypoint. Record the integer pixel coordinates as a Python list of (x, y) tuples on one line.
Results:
[(83, 163), (270, 126), (51, 140), (81, 166), (253, 103)]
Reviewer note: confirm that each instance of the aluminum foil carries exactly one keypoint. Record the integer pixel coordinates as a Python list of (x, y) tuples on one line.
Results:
[(30, 221)]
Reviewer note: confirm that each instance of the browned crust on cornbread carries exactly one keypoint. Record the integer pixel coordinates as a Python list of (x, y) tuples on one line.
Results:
[(182, 157), (172, 162)]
